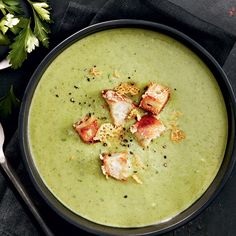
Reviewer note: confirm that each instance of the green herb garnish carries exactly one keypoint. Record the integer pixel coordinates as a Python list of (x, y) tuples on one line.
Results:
[(23, 33), (8, 103)]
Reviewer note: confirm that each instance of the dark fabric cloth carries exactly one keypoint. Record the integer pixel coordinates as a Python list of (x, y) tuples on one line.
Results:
[(218, 42), (14, 218)]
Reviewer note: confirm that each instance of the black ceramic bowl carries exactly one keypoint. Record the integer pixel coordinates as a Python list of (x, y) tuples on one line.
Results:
[(195, 208)]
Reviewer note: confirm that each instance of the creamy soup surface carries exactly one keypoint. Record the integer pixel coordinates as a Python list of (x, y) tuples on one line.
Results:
[(174, 174)]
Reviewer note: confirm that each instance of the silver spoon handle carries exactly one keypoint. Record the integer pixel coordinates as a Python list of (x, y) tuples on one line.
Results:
[(21, 190)]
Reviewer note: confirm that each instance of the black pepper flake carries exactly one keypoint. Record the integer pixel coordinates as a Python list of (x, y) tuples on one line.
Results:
[(84, 102), (175, 89), (57, 95), (129, 77), (93, 77), (165, 156), (88, 79), (125, 196), (104, 144), (72, 100), (93, 100), (131, 153), (76, 87), (135, 171), (89, 105), (126, 140), (131, 140), (69, 93), (89, 114), (94, 66), (164, 146), (79, 103)]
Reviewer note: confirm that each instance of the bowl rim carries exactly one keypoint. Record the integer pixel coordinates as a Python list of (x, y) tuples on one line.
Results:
[(192, 211)]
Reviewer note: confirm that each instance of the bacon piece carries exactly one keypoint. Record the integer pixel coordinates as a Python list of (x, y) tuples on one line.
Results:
[(155, 98), (146, 129), (86, 128), (116, 165), (119, 105)]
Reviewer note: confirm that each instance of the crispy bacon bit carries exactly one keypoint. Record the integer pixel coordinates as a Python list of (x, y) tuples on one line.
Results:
[(177, 135), (106, 131), (86, 128), (127, 88), (137, 179), (120, 106), (116, 165), (147, 129), (94, 72), (155, 98)]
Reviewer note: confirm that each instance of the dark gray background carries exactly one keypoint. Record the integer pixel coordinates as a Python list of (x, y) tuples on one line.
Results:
[(220, 217)]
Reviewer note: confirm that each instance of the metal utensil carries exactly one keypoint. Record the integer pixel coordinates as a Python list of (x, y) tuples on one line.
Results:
[(4, 64), (19, 187)]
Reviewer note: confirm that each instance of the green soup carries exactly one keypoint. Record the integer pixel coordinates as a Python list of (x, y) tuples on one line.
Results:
[(175, 174)]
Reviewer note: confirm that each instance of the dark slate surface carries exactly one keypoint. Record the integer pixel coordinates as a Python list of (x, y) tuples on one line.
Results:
[(220, 217)]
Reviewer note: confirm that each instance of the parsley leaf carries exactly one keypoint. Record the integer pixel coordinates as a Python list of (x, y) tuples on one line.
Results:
[(4, 40), (8, 22), (12, 6), (8, 103), (42, 9), (24, 42), (41, 30)]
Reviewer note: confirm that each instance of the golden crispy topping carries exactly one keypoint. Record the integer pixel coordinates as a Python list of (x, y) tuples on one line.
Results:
[(127, 88), (116, 74), (137, 179), (135, 114), (138, 162), (177, 135), (94, 72), (107, 131), (176, 114)]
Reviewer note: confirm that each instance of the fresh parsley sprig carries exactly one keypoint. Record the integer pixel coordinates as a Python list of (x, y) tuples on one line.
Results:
[(22, 33), (8, 103)]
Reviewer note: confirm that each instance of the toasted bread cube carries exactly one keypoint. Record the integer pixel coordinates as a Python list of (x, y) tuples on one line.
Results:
[(86, 128), (147, 129), (155, 98), (120, 106), (116, 165)]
